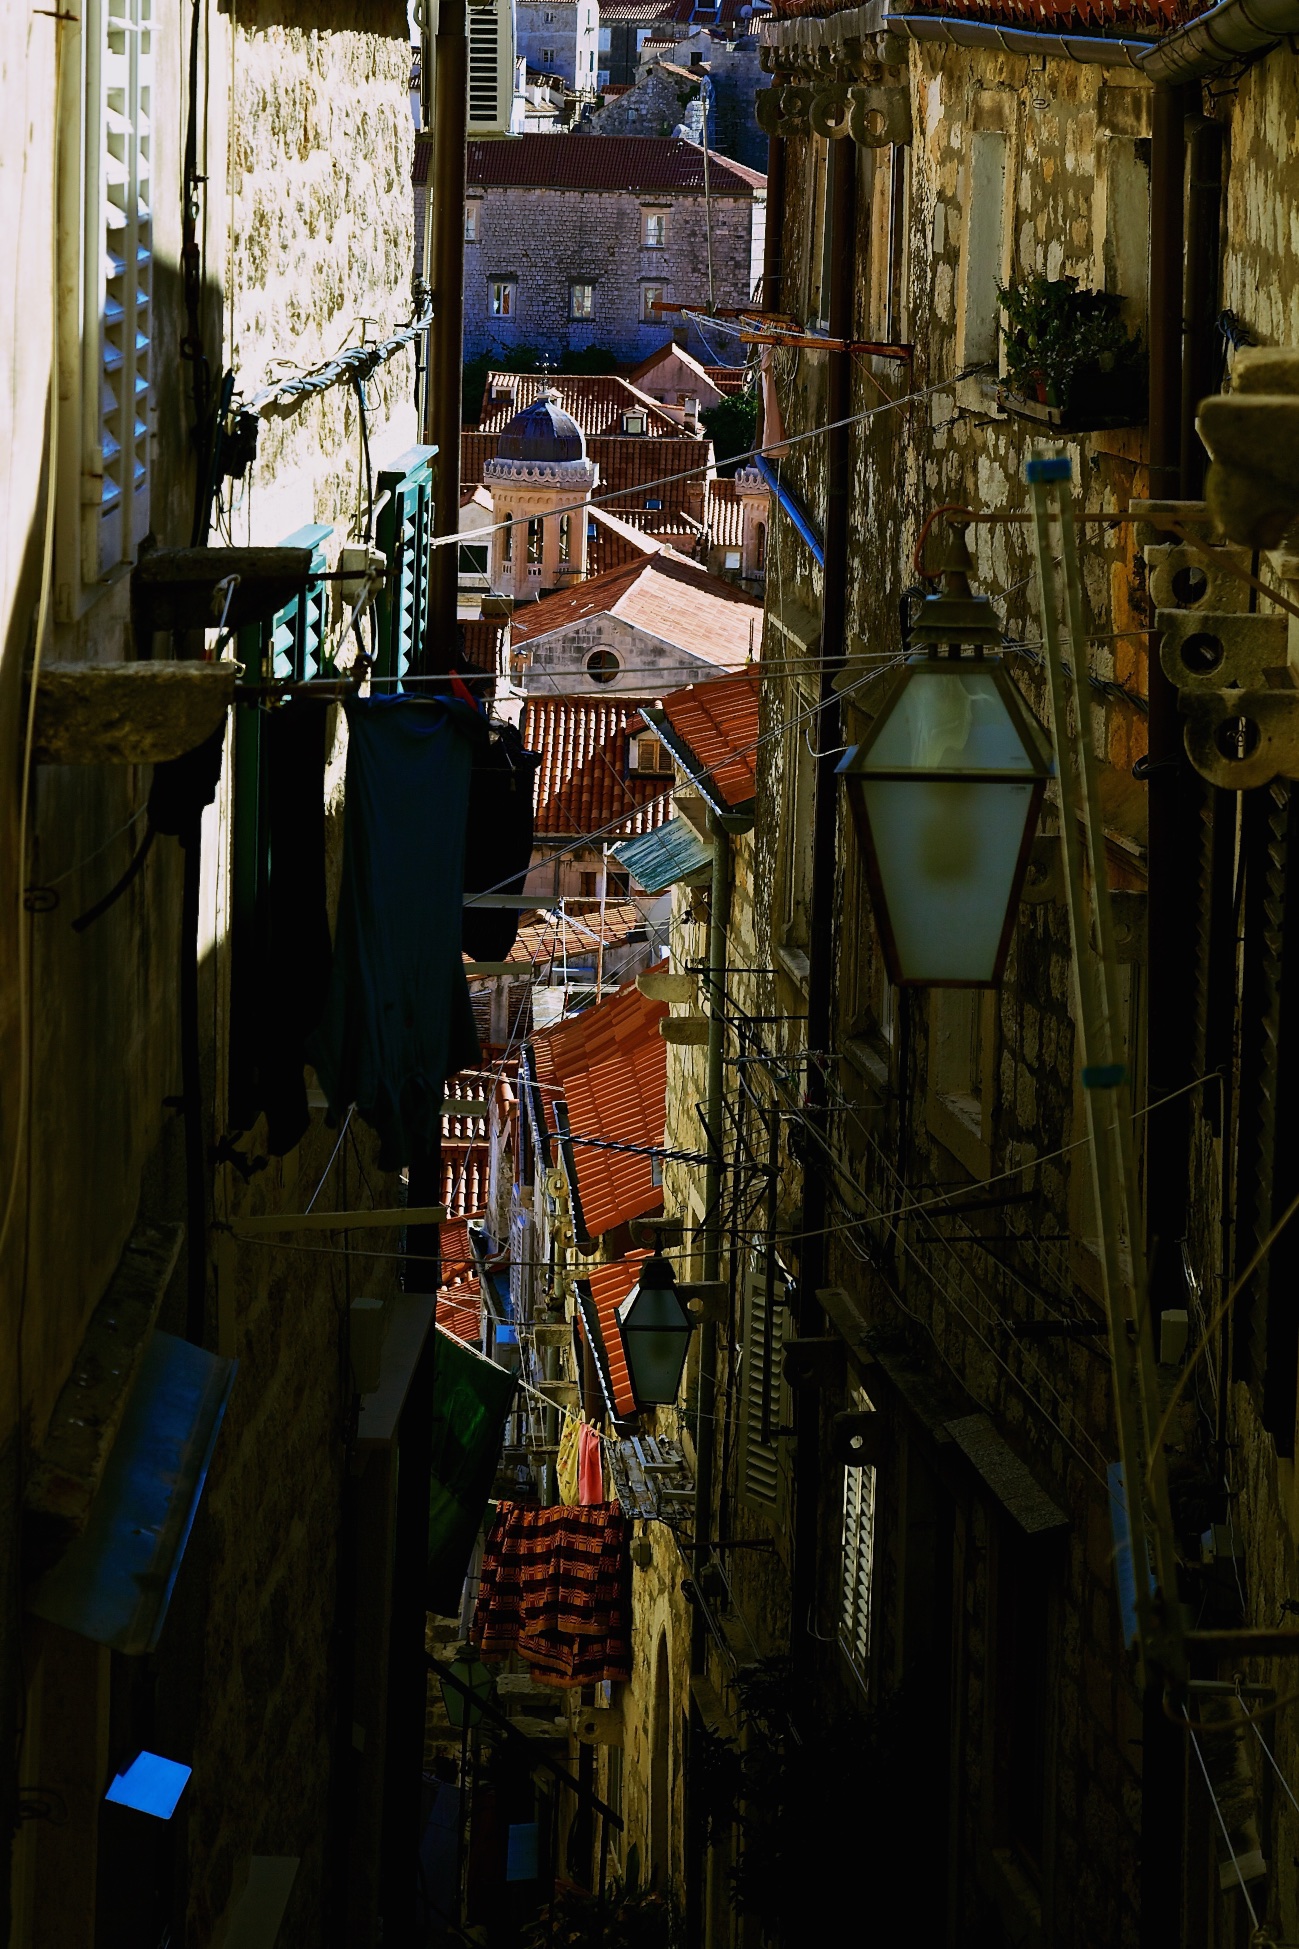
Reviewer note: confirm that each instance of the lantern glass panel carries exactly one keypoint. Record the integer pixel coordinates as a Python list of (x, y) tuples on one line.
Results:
[(949, 718), (947, 854), (656, 1336)]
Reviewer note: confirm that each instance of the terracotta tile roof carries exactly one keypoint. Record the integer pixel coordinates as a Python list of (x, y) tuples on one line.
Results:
[(719, 722), (645, 11), (582, 782), (728, 378), (630, 465), (725, 514), (548, 937), (597, 401), (616, 542), (481, 643), (615, 1024), (610, 1063), (665, 595), (610, 1285), (460, 1306), (610, 162), (623, 1099)]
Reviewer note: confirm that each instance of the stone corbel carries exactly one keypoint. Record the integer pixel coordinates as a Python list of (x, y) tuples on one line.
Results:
[(880, 118), (1238, 687), (829, 112)]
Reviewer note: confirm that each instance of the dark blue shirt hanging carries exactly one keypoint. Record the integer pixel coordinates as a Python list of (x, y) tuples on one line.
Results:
[(399, 1020)]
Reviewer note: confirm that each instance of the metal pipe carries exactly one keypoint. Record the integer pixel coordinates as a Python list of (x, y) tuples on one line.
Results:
[(773, 243), (719, 920), (1225, 33), (1202, 364), (825, 836), (446, 339)]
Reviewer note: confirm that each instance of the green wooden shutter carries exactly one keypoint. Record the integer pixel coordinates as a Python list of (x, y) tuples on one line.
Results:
[(760, 1461), (298, 632), (403, 531)]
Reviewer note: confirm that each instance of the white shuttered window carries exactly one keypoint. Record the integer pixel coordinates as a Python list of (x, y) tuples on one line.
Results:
[(119, 278), (858, 1555), (760, 1375)]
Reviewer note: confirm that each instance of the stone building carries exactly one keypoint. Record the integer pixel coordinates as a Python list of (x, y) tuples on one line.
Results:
[(570, 244), (187, 1460), (560, 37)]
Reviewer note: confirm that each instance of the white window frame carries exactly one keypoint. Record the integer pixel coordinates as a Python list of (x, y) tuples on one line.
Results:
[(650, 221), (648, 294), (502, 297), (473, 212), (581, 314), (108, 401)]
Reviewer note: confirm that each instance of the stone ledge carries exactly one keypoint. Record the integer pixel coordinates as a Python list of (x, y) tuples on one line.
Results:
[(88, 1413)]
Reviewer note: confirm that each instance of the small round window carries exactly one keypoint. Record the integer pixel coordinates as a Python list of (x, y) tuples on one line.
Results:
[(602, 666)]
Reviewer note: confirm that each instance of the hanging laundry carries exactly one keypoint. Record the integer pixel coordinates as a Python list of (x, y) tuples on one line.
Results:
[(554, 1587), (566, 1462), (471, 1399), (280, 952), (590, 1466), (398, 1019), (498, 841)]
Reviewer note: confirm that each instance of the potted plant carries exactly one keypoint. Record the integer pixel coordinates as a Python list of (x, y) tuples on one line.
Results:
[(624, 1917), (1070, 359)]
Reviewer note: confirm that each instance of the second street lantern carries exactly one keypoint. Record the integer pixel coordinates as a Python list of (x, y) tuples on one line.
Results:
[(945, 792)]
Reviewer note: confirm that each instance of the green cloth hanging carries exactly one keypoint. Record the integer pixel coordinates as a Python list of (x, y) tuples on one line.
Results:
[(471, 1398)]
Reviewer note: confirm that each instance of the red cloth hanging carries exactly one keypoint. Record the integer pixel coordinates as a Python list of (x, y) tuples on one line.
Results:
[(590, 1466), (555, 1588)]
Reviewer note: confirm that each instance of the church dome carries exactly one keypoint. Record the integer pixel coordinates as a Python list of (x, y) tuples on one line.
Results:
[(542, 432)]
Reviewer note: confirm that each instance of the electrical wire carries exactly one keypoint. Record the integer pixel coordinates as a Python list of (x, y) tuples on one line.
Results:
[(1226, 1837)]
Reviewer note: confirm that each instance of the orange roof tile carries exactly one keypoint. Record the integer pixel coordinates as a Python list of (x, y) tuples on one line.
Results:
[(616, 541), (597, 401), (630, 466), (623, 1100), (610, 1029), (610, 1285), (719, 722), (459, 1304), (725, 514), (677, 600), (582, 783)]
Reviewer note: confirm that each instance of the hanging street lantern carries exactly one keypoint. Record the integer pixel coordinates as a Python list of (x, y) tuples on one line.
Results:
[(655, 1329), (478, 1679), (945, 793)]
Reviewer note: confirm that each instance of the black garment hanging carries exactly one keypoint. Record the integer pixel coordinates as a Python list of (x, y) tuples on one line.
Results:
[(399, 1019), (498, 839), (281, 955)]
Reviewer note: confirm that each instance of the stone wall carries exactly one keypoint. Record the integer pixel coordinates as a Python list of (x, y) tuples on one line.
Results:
[(312, 233), (544, 241)]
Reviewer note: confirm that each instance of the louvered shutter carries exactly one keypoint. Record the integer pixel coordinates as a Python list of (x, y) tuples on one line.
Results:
[(491, 67), (760, 1468), (119, 78), (521, 1252), (858, 1558), (404, 528), (297, 642)]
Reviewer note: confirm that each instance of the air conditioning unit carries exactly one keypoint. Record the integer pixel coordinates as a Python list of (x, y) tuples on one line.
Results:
[(491, 66)]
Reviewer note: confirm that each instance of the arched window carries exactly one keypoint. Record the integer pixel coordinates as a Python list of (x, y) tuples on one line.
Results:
[(507, 539), (565, 537), (534, 538)]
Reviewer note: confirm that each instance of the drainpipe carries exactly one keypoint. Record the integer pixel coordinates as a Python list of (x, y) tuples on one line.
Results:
[(719, 920), (1170, 932), (446, 336), (1202, 367), (825, 832), (773, 239)]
